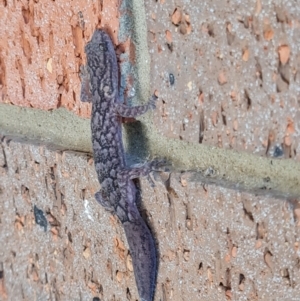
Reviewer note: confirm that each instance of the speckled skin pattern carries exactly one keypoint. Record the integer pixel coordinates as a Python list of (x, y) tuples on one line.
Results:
[(100, 84)]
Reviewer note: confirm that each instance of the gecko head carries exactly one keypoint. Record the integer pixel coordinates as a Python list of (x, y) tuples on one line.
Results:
[(101, 59), (100, 43)]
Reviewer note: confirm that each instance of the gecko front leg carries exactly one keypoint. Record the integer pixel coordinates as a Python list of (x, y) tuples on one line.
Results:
[(127, 111)]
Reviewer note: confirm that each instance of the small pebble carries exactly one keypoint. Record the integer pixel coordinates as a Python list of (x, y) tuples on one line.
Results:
[(40, 218), (171, 79)]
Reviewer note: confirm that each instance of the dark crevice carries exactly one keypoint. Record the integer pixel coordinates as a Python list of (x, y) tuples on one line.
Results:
[(248, 100), (223, 114)]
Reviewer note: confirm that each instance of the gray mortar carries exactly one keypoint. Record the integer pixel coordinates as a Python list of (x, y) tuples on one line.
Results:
[(142, 54), (57, 129), (136, 29), (63, 130)]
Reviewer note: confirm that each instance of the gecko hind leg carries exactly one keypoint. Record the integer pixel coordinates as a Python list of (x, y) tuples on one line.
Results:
[(150, 180), (127, 111), (138, 171)]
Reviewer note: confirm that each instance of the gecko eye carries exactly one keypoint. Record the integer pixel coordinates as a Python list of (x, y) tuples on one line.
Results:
[(104, 195)]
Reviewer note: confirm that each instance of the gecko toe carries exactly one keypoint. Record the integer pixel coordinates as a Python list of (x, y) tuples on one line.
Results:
[(158, 164), (152, 101)]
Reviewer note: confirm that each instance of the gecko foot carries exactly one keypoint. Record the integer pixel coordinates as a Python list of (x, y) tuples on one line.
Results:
[(157, 164), (152, 102), (139, 170)]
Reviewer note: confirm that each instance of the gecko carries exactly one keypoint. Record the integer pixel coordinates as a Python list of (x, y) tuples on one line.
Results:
[(100, 85)]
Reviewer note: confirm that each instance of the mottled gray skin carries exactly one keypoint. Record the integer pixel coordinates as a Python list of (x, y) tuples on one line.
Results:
[(100, 84)]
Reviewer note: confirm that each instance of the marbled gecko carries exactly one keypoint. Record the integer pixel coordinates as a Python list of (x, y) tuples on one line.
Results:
[(100, 85)]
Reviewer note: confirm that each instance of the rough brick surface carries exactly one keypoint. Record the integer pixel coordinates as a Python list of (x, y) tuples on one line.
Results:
[(228, 73), (214, 243), (42, 47)]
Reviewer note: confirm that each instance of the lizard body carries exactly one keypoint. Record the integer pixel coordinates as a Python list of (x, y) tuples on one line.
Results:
[(100, 85)]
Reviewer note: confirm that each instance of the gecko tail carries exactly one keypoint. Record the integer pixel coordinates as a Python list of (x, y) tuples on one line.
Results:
[(143, 253)]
